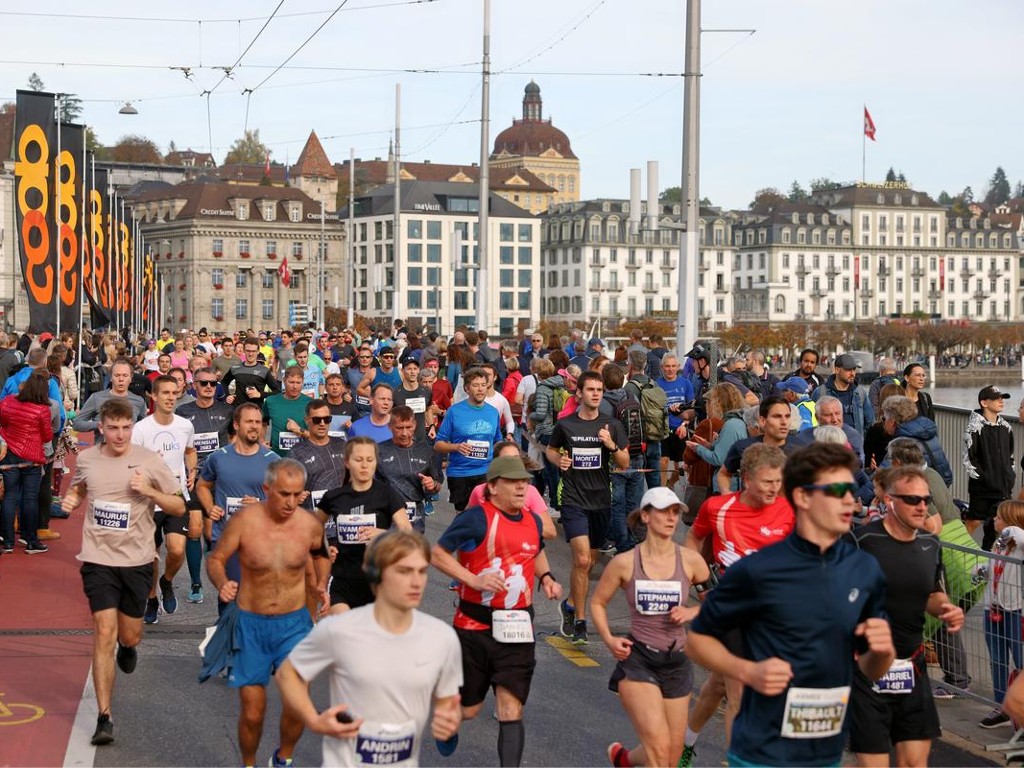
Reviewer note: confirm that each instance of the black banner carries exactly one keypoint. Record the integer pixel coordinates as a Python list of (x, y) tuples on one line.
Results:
[(69, 219), (97, 270), (34, 151), (148, 294)]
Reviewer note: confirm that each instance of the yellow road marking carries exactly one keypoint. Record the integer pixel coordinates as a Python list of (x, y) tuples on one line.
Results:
[(571, 652)]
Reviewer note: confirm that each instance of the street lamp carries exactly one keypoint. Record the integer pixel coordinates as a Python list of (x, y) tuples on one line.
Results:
[(128, 109)]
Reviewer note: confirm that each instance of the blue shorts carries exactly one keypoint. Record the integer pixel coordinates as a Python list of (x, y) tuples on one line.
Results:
[(263, 642)]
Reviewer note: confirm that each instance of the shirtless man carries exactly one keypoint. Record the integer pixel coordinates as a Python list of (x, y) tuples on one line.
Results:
[(274, 541)]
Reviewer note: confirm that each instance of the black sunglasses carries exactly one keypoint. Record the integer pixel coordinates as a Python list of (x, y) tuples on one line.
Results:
[(911, 498), (320, 419), (834, 490), (206, 382)]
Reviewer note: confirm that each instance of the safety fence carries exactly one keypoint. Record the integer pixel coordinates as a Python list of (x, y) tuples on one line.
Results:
[(952, 424)]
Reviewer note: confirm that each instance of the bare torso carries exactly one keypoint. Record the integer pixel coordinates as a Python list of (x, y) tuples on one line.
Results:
[(274, 557)]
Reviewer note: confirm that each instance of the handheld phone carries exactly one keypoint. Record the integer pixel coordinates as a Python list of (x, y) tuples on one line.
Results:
[(345, 717)]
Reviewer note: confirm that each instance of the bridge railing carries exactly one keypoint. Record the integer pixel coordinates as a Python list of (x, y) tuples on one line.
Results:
[(952, 424)]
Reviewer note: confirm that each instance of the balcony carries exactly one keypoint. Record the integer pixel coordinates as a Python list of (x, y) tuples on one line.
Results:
[(917, 272), (994, 274), (967, 272), (867, 293), (667, 266), (832, 271), (934, 295), (611, 287), (703, 266), (818, 293), (882, 272), (650, 289), (723, 289), (802, 270), (980, 295), (632, 264)]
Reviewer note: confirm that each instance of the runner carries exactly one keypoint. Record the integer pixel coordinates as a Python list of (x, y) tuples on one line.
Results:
[(416, 397), (123, 483), (415, 658), (285, 412), (273, 546), (386, 374), (468, 434), (322, 455), (407, 463), (375, 424), (653, 677), (343, 410), (211, 421), (582, 445), (898, 709), (534, 501), (355, 374), (362, 509), (120, 378), (499, 553), (792, 645), (172, 437), (250, 377), (739, 524)]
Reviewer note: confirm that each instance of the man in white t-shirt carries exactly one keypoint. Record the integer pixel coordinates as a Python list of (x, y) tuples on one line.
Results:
[(382, 696), (173, 437)]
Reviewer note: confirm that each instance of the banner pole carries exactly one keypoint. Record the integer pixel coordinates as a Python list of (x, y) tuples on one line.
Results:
[(81, 270), (57, 217)]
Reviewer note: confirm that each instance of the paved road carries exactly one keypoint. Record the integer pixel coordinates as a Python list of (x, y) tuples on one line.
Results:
[(164, 718)]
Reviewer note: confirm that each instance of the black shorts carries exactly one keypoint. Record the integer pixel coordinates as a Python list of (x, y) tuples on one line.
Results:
[(672, 447), (878, 720), (170, 524), (486, 663), (982, 508), (459, 489), (671, 671), (351, 590), (594, 523), (124, 588)]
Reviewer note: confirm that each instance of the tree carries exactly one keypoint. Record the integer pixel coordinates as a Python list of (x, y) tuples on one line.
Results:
[(1018, 191), (248, 149), (135, 149), (672, 195), (824, 184), (891, 174), (796, 192), (70, 108), (967, 195), (35, 82), (959, 208), (998, 188), (172, 147), (767, 199), (7, 108), (944, 198)]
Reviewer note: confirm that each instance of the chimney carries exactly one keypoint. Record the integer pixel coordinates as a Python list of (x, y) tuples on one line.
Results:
[(634, 201), (653, 209)]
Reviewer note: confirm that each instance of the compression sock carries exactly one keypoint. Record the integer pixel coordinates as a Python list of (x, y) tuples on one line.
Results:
[(691, 737), (511, 740), (194, 560)]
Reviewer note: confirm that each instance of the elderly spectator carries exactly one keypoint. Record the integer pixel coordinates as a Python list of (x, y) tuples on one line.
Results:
[(901, 419)]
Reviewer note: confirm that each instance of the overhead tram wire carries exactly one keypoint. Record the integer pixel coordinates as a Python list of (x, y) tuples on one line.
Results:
[(559, 40), (229, 70)]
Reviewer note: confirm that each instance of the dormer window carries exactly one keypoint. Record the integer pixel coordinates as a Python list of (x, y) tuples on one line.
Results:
[(268, 212), (295, 212), (880, 199), (242, 211)]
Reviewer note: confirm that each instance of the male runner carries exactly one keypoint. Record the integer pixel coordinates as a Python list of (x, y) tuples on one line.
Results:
[(386, 374), (172, 437), (355, 375), (582, 447), (285, 412), (375, 424), (343, 410), (407, 463), (416, 397), (322, 455), (251, 377), (496, 551), (810, 608), (123, 483), (120, 378), (273, 541), (409, 661)]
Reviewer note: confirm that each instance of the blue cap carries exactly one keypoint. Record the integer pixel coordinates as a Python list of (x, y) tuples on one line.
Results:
[(595, 341), (794, 384)]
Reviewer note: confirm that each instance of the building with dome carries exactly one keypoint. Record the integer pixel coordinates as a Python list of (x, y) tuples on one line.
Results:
[(534, 144)]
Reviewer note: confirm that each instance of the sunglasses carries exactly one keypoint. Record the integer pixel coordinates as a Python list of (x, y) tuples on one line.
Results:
[(320, 419), (911, 498), (206, 382), (833, 490)]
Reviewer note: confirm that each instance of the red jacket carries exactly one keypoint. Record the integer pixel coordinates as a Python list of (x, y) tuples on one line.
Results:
[(25, 427)]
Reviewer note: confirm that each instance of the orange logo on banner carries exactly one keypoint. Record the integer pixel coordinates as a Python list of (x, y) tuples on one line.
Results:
[(34, 231), (67, 240)]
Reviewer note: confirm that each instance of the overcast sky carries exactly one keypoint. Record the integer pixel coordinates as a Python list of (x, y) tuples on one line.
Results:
[(939, 77)]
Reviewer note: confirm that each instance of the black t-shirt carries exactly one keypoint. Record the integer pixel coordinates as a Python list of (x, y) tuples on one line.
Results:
[(212, 426), (379, 500), (325, 466), (586, 484), (735, 455), (419, 400), (140, 385), (913, 571)]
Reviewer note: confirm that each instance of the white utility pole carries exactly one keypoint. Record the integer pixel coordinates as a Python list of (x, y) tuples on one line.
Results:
[(482, 272), (689, 250)]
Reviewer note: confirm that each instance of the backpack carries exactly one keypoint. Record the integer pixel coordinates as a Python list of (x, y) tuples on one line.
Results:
[(627, 410), (653, 401), (559, 397)]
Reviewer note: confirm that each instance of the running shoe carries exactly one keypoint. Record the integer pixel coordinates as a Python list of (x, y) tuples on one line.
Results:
[(152, 614), (686, 760), (618, 755), (568, 614), (994, 719), (169, 599), (35, 548), (277, 762), (608, 548), (943, 693), (579, 633), (23, 541), (195, 594), (127, 658), (104, 733), (7, 548)]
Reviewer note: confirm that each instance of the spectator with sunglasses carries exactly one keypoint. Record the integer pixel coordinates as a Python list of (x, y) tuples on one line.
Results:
[(808, 606), (387, 373)]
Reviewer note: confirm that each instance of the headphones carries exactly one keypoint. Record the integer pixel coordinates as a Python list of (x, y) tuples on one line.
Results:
[(371, 569)]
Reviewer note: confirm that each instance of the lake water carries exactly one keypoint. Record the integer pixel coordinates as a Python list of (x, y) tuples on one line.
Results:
[(967, 397)]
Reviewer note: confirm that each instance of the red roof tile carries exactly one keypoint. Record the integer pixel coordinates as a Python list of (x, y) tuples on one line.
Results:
[(313, 160)]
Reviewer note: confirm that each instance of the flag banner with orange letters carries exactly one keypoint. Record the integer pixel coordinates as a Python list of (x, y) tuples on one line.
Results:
[(70, 175)]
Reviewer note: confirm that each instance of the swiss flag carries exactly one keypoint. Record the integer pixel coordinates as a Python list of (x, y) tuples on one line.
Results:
[(869, 125), (285, 273), (266, 168)]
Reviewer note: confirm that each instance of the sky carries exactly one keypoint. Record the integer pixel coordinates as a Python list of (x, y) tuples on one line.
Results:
[(782, 103)]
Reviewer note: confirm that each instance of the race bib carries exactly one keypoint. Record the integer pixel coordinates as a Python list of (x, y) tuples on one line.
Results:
[(287, 440), (418, 404), (479, 449), (206, 442), (512, 627), (234, 503), (330, 529), (412, 510), (112, 515), (814, 713), (348, 527), (360, 400), (898, 680), (311, 393), (654, 598), (386, 743), (338, 424), (586, 458)]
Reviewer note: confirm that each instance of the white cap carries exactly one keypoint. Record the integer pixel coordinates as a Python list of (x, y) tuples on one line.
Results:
[(659, 498)]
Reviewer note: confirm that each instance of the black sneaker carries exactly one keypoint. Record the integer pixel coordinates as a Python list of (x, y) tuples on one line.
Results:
[(169, 599), (36, 548), (104, 733), (127, 658), (579, 633), (995, 719), (151, 616), (568, 614)]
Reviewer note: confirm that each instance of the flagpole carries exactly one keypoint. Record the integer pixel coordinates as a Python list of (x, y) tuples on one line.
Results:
[(863, 147), (57, 219), (81, 267)]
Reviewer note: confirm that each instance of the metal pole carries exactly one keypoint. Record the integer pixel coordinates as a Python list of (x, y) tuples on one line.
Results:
[(58, 219), (686, 330), (396, 239), (482, 272), (320, 277), (81, 267), (350, 238)]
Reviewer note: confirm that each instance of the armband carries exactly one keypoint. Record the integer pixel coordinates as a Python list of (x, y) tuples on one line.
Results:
[(321, 551), (710, 583), (540, 578)]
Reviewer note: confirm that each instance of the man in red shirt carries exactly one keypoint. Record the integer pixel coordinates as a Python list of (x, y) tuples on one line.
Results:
[(738, 524)]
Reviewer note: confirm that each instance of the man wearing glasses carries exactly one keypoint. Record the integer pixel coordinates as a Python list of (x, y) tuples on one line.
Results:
[(808, 606), (321, 454), (898, 709), (251, 377), (386, 374), (355, 375), (211, 420)]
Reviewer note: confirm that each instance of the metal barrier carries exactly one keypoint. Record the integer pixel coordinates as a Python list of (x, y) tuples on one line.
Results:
[(952, 423)]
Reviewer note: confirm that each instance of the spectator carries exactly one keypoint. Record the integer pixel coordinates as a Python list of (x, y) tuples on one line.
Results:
[(988, 459), (842, 385), (915, 380), (901, 419)]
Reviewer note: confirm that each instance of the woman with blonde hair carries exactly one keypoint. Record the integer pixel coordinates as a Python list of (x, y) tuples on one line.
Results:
[(724, 402)]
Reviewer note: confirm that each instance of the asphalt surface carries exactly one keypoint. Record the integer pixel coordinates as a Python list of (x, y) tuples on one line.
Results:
[(163, 717)]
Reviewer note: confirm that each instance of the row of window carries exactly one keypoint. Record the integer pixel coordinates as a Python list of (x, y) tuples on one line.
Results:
[(268, 278), (269, 211), (269, 247), (418, 229), (574, 304), (242, 308)]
